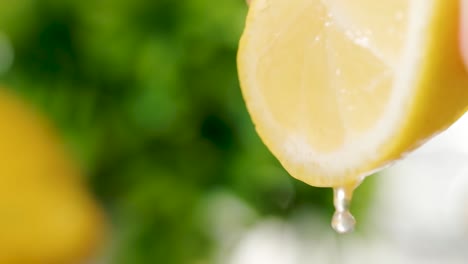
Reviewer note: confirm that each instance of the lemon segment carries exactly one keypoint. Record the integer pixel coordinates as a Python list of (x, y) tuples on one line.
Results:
[(338, 89)]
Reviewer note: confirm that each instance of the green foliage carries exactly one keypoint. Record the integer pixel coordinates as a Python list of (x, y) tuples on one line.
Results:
[(147, 96)]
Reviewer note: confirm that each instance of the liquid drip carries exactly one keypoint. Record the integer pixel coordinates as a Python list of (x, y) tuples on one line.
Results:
[(343, 221)]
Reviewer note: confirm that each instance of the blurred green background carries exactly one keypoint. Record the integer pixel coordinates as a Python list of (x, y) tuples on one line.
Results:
[(146, 95)]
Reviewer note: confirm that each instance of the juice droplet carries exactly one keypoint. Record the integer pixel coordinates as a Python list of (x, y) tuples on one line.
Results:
[(343, 221)]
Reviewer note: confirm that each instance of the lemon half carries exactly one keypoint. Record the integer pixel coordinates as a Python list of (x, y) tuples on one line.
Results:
[(338, 89)]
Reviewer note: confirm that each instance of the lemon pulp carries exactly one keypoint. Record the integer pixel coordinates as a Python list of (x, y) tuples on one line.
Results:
[(338, 89)]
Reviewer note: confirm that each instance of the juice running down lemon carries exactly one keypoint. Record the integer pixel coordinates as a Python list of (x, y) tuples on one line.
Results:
[(339, 89)]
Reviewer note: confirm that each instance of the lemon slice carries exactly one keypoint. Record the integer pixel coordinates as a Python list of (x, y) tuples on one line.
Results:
[(338, 89)]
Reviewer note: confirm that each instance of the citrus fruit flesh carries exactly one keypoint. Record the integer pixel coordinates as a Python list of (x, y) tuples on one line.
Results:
[(338, 89)]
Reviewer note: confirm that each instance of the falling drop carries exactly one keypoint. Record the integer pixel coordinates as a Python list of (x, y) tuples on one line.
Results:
[(343, 221)]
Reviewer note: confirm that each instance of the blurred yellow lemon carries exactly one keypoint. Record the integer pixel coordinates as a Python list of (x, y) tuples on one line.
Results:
[(46, 214), (338, 89)]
